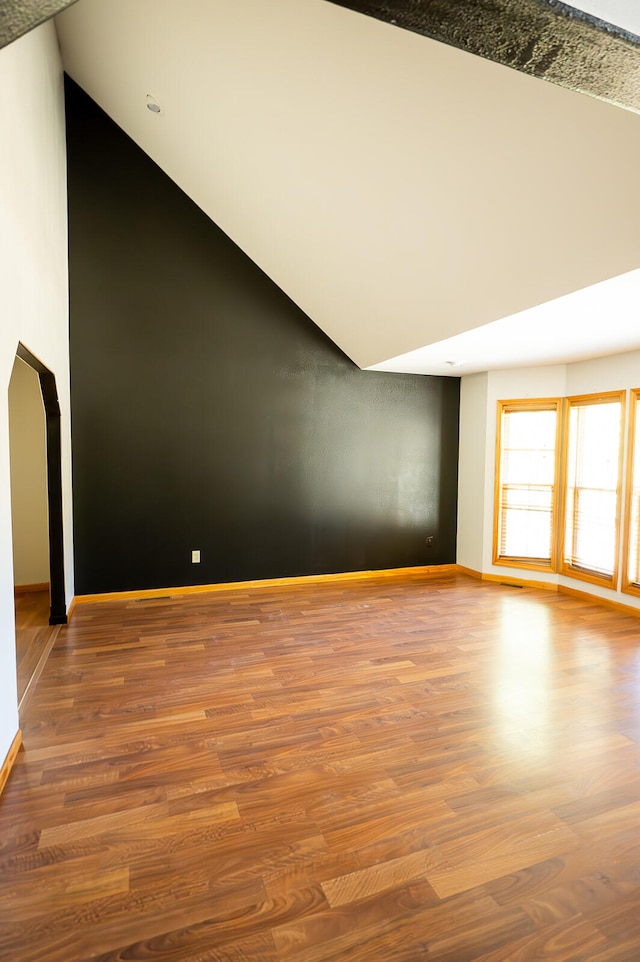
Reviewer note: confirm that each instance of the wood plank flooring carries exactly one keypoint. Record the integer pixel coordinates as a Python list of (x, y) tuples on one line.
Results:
[(387, 770), (32, 633)]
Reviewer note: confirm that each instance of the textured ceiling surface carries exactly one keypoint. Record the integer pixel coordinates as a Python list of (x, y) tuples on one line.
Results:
[(17, 17), (543, 38)]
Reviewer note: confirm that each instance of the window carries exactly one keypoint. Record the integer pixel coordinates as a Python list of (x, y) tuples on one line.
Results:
[(631, 566), (526, 484), (593, 449)]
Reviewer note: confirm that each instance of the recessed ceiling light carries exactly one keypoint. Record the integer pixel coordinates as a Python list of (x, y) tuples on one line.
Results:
[(153, 105)]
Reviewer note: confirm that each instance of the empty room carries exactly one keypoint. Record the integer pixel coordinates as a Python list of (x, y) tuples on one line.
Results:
[(320, 481)]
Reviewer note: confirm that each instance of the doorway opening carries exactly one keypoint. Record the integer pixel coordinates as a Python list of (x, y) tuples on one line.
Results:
[(36, 500)]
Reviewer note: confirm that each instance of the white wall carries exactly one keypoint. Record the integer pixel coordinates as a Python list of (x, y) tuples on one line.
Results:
[(33, 286), (614, 373), (28, 448), (604, 374), (472, 472)]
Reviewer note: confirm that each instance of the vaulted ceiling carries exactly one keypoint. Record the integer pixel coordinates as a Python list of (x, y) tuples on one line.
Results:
[(416, 200)]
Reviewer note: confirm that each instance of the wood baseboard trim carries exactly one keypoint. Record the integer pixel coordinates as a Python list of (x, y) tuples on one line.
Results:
[(520, 582), (507, 579), (609, 603), (418, 572), (421, 572), (9, 761), (550, 586), (27, 589)]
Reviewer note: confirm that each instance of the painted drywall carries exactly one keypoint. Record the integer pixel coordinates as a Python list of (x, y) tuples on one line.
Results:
[(614, 373), (33, 285), (604, 374), (210, 414), (472, 482), (399, 190), (28, 449)]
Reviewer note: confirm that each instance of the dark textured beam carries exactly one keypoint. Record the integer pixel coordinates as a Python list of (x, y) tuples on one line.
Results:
[(544, 38), (17, 17)]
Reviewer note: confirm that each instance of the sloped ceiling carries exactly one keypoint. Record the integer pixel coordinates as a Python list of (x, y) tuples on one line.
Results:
[(401, 191)]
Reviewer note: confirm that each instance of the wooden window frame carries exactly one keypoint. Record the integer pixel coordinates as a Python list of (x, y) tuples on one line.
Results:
[(567, 568), (527, 404), (628, 586)]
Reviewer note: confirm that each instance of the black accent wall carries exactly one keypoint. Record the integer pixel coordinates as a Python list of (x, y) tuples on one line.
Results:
[(210, 413)]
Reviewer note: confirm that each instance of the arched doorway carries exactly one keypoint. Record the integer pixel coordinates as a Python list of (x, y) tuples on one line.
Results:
[(37, 511)]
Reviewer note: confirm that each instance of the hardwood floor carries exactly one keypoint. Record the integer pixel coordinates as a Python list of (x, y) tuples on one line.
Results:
[(419, 770), (33, 633)]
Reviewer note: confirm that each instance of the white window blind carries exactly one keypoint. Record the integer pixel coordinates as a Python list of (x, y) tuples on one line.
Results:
[(526, 490), (592, 486)]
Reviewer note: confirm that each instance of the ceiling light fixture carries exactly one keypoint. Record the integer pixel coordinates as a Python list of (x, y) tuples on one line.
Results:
[(153, 105)]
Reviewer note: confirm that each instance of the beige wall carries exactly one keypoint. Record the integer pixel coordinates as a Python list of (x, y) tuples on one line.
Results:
[(27, 445)]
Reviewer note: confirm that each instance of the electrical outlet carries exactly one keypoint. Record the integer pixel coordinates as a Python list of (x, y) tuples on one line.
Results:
[(429, 541), (195, 557)]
